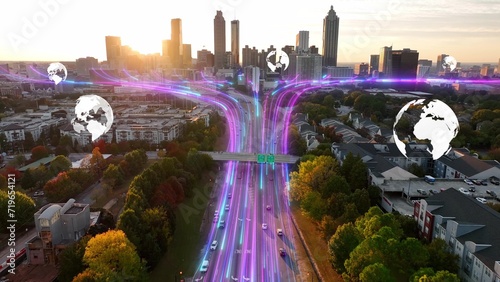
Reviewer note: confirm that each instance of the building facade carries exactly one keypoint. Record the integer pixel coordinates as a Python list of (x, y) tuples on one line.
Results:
[(385, 62), (302, 41), (235, 42), (219, 40), (404, 63)]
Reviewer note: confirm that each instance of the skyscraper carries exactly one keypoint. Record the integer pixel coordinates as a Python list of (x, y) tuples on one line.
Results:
[(330, 38), (404, 63), (187, 60), (374, 59), (302, 41), (439, 63), (219, 40), (113, 51), (235, 42), (385, 61), (175, 49)]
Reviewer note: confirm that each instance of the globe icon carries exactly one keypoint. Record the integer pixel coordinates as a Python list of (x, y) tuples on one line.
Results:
[(57, 72), (449, 63), (426, 119), (282, 61), (89, 111)]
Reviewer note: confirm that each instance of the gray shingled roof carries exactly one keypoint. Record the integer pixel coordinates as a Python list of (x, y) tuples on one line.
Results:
[(467, 209), (466, 164)]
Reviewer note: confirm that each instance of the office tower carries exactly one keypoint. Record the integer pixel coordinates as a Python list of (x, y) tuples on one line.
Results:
[(423, 71), (187, 60), (113, 51), (175, 48), (385, 61), (205, 58), (219, 40), (330, 38), (424, 62), (361, 69), (302, 41), (83, 65), (404, 63), (250, 56), (313, 49), (288, 49), (439, 63), (308, 67), (235, 42), (374, 59), (486, 70)]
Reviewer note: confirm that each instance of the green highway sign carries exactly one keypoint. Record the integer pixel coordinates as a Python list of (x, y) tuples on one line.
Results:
[(270, 158), (261, 159)]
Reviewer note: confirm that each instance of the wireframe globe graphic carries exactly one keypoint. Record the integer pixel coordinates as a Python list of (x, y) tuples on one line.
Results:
[(90, 111), (430, 119), (57, 72), (449, 63), (282, 61)]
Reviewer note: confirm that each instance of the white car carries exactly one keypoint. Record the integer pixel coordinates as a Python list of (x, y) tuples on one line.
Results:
[(227, 207), (264, 225), (279, 232), (214, 245), (464, 191), (481, 200), (468, 181), (204, 266)]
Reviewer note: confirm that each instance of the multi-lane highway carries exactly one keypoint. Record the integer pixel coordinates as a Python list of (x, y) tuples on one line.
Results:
[(252, 195)]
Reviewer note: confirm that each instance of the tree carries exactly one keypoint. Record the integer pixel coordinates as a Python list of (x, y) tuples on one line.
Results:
[(59, 164), (39, 152), (156, 225), (130, 223), (29, 142), (312, 175), (342, 243), (24, 207), (376, 272), (71, 260), (440, 258), (297, 144), (314, 205), (113, 176), (112, 257), (416, 169), (61, 188), (95, 164)]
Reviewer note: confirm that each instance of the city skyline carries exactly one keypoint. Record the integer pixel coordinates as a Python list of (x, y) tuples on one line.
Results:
[(365, 26)]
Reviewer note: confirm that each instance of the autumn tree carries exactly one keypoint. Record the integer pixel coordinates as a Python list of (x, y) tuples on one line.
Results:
[(312, 175), (112, 257), (24, 207), (113, 176), (39, 152), (61, 188), (71, 260), (59, 164)]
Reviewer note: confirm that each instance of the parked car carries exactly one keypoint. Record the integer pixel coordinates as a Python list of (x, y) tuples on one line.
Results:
[(472, 189), (464, 191), (494, 180), (282, 252), (468, 181), (481, 200), (477, 181), (421, 192), (491, 193), (484, 182), (432, 191)]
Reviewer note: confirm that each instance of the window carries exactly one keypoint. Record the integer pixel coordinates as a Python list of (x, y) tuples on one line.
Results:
[(426, 230)]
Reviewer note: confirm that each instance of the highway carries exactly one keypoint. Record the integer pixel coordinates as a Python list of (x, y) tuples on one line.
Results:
[(246, 251)]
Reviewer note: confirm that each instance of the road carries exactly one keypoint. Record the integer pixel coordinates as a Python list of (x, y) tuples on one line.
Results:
[(246, 251)]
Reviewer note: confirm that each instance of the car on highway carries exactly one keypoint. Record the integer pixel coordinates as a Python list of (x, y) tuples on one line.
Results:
[(268, 207), (214, 245), (215, 219), (204, 266), (229, 195), (464, 191), (264, 226), (481, 200), (282, 252), (226, 208), (222, 224), (472, 189), (216, 213), (468, 181), (279, 232)]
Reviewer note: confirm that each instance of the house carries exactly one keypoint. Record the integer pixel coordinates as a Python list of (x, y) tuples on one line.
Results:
[(57, 226), (13, 132), (306, 130), (312, 143), (460, 163), (470, 228)]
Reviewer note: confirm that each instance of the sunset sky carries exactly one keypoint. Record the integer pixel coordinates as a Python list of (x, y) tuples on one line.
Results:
[(469, 30)]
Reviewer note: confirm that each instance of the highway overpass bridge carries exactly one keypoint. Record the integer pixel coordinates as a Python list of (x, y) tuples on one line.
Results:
[(248, 157)]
